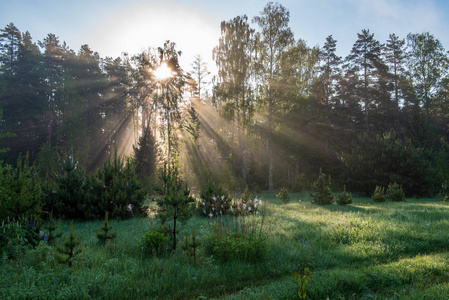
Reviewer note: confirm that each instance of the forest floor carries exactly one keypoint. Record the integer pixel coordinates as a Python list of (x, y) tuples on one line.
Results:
[(365, 250)]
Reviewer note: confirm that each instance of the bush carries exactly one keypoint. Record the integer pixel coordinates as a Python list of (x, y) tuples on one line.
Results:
[(68, 198), (344, 198), (248, 204), (152, 242), (215, 201), (283, 195), (20, 191), (381, 159), (114, 188), (379, 194), (238, 239), (395, 192), (18, 236), (321, 191)]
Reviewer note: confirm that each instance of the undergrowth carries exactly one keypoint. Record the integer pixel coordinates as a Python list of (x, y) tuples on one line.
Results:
[(365, 250)]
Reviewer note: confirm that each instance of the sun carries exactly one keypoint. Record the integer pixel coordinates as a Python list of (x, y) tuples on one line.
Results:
[(163, 72)]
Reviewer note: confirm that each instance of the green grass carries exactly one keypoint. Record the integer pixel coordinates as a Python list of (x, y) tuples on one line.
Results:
[(366, 250)]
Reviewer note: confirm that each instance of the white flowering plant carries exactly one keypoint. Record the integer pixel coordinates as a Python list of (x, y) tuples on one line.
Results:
[(248, 205), (214, 201)]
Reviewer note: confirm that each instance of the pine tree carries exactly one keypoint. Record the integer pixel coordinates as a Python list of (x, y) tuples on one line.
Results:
[(365, 62), (176, 202), (69, 249), (321, 191), (103, 233)]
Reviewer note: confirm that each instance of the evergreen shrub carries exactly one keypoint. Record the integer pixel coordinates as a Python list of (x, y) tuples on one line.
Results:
[(20, 191), (344, 198), (283, 195), (379, 194), (321, 191), (395, 192)]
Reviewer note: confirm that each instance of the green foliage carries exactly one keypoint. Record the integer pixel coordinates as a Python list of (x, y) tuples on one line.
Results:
[(146, 154), (249, 204), (191, 245), (69, 197), (283, 195), (69, 249), (381, 159), (379, 194), (46, 161), (355, 252), (20, 191), (344, 198), (445, 190), (301, 279), (51, 227), (321, 190), (114, 188), (103, 233), (18, 236), (3, 135), (176, 202), (215, 201), (237, 238), (152, 242), (395, 192)]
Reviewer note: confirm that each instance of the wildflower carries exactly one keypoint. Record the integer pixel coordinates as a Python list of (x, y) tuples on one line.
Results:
[(244, 206), (249, 208), (45, 238), (130, 207), (275, 214), (214, 198), (204, 203), (222, 197), (204, 211), (210, 215)]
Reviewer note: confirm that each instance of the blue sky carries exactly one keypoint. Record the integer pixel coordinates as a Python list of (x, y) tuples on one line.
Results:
[(112, 26)]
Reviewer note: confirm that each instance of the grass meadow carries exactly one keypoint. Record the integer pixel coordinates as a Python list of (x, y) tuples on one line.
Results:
[(366, 250)]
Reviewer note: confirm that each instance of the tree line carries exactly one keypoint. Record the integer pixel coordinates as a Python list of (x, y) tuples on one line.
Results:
[(351, 116), (278, 110)]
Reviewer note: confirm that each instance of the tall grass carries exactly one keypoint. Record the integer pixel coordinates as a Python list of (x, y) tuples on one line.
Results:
[(365, 250)]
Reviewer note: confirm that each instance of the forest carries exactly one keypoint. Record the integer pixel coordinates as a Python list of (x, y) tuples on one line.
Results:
[(276, 112), (197, 185)]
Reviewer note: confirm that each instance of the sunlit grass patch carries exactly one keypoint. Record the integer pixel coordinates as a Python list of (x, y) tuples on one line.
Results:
[(364, 250)]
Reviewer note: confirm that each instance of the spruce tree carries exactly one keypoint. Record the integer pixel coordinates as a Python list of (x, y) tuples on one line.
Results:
[(145, 154)]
